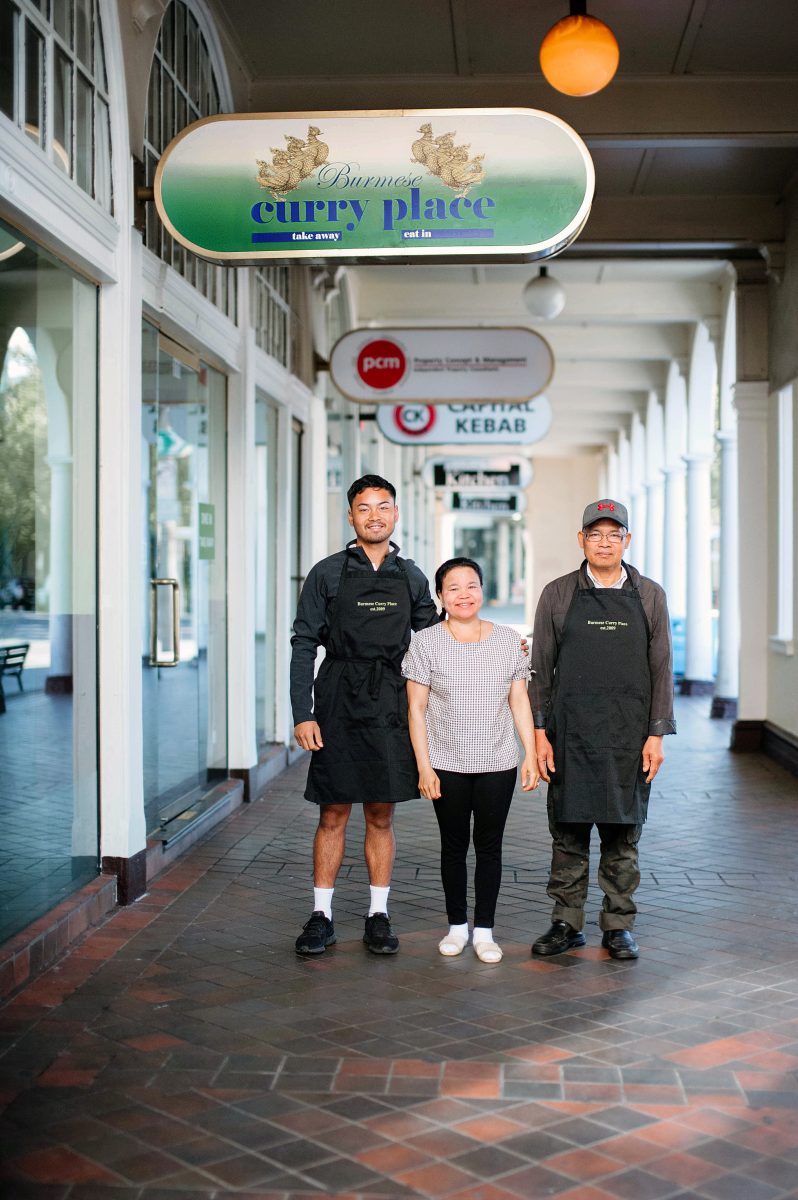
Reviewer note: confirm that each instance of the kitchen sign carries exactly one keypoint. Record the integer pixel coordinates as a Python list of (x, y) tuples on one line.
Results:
[(486, 474), (512, 184), (465, 424), (437, 366), (510, 502)]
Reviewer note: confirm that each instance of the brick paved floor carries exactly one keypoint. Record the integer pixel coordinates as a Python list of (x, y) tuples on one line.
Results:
[(184, 1050)]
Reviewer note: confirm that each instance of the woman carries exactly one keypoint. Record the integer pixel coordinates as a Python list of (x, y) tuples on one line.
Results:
[(466, 688)]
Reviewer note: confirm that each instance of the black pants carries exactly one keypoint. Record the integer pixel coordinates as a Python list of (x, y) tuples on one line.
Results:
[(618, 872), (487, 795)]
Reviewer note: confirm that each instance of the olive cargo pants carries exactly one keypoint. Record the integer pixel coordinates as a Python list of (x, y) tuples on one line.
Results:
[(618, 872)]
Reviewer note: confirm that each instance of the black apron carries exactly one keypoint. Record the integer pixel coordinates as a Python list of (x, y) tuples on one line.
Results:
[(599, 714), (360, 700)]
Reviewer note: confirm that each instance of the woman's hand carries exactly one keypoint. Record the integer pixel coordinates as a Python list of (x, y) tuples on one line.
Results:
[(429, 784), (530, 776)]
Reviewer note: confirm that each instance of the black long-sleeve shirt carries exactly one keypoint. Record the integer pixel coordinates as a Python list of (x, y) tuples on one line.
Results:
[(311, 626), (555, 600)]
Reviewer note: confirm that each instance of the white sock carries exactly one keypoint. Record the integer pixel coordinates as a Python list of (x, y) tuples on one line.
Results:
[(379, 899), (481, 934), (460, 931), (322, 901)]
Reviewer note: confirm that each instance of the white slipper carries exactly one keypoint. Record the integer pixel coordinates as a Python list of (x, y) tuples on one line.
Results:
[(452, 944), (488, 952)]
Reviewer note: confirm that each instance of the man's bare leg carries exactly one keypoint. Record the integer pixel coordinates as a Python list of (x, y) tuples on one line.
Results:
[(379, 849), (379, 846), (328, 854), (329, 843)]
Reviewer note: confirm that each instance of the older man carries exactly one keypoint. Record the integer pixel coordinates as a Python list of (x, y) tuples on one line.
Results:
[(602, 698)]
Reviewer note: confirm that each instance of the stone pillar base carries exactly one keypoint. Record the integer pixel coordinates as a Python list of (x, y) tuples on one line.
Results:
[(696, 687), (131, 876), (58, 685), (721, 707), (746, 736)]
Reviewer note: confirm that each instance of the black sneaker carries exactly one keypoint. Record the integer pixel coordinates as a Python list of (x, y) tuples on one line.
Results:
[(317, 934), (379, 937)]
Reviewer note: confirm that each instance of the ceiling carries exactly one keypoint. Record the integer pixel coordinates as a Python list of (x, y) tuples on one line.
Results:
[(695, 145)]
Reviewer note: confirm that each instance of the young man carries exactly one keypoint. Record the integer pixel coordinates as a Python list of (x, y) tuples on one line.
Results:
[(602, 699), (361, 605)]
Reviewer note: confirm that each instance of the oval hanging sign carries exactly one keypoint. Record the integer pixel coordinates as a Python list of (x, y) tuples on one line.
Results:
[(502, 183), (437, 366)]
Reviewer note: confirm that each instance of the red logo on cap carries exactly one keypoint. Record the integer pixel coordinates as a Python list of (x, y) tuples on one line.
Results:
[(611, 507), (381, 364)]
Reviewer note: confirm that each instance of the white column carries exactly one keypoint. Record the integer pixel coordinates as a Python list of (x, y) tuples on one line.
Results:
[(698, 671), (503, 562), (529, 575), (444, 541), (698, 634), (751, 402), (611, 487), (674, 562), (637, 516), (674, 557), (655, 511), (59, 678), (724, 703), (119, 562), (242, 502), (517, 573), (655, 490)]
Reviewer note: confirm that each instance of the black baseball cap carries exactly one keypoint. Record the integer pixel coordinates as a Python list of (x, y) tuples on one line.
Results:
[(605, 510)]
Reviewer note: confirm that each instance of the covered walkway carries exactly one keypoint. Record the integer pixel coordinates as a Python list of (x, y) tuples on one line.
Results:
[(183, 1049)]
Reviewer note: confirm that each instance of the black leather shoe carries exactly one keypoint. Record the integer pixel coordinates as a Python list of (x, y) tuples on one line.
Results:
[(620, 943), (379, 937), (317, 934), (561, 936)]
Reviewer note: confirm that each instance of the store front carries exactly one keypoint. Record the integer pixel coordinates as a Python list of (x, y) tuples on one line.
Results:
[(48, 630), (184, 608)]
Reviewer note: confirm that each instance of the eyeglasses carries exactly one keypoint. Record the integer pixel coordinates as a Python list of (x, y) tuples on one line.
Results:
[(595, 536)]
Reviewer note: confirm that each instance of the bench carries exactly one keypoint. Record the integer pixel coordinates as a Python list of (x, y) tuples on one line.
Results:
[(12, 660)]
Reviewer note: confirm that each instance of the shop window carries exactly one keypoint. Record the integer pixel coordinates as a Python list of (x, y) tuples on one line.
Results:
[(182, 89), (48, 614), (275, 327), (54, 86)]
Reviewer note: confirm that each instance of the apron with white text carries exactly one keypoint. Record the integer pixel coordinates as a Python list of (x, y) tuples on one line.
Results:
[(360, 698), (598, 718)]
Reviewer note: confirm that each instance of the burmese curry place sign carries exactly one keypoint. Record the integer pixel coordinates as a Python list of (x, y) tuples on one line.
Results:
[(506, 183)]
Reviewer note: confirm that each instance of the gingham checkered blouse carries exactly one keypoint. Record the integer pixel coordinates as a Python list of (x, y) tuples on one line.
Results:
[(469, 723)]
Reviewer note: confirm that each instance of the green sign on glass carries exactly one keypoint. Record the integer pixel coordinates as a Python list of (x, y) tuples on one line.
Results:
[(507, 184), (207, 531)]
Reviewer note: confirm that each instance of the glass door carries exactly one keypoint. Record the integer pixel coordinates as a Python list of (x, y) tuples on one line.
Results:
[(184, 579)]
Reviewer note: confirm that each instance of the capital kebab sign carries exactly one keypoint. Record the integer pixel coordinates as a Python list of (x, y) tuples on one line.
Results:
[(466, 424), (509, 184)]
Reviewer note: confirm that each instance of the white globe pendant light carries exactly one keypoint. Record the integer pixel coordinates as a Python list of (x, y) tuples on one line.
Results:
[(544, 296)]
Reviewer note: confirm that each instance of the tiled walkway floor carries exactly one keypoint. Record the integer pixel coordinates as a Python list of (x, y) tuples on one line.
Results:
[(184, 1050)]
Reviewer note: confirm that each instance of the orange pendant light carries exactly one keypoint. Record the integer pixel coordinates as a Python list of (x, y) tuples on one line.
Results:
[(579, 55)]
